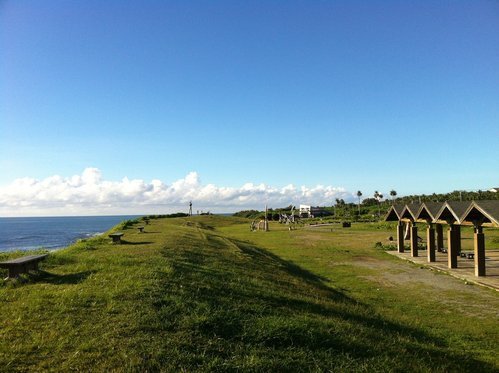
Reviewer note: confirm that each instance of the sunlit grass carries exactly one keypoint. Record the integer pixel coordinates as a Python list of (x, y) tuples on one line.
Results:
[(205, 293)]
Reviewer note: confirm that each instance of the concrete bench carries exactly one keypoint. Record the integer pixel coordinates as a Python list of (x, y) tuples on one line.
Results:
[(116, 237), (22, 265)]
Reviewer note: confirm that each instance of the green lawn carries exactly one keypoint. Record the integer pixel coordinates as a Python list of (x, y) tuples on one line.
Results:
[(205, 293)]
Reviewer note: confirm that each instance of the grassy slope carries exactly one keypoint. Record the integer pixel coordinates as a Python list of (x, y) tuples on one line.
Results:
[(205, 293)]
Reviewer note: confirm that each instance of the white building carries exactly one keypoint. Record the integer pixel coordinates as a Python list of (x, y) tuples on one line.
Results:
[(305, 210)]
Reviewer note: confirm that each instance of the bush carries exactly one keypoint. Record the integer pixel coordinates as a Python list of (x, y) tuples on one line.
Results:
[(163, 216), (251, 214), (127, 224)]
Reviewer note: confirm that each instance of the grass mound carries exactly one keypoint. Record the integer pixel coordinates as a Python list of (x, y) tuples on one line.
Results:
[(186, 295)]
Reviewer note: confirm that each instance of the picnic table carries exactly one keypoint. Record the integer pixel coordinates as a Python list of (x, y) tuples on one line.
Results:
[(22, 265), (116, 237), (467, 255)]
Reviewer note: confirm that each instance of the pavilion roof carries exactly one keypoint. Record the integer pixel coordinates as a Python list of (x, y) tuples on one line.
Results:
[(410, 210), (482, 212), (428, 210), (455, 212), (451, 211), (394, 213)]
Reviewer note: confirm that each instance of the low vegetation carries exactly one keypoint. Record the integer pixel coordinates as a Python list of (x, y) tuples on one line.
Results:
[(370, 208), (205, 293)]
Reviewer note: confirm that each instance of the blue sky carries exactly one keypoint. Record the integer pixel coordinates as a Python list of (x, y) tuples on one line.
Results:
[(345, 95)]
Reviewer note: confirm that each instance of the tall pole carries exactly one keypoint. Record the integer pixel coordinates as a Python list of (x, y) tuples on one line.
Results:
[(266, 222)]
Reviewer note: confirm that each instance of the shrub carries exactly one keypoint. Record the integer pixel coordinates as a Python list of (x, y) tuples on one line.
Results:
[(127, 224)]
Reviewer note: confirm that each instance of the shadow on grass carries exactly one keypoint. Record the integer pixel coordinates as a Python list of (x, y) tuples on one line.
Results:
[(228, 305), (68, 279), (129, 243), (261, 255)]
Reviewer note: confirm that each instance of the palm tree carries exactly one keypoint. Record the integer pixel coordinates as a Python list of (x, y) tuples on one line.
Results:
[(359, 194), (378, 197), (393, 194), (336, 206)]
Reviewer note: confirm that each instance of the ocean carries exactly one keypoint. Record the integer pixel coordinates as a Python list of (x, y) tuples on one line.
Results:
[(52, 232)]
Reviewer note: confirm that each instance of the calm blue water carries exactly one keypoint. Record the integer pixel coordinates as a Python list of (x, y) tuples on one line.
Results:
[(52, 232)]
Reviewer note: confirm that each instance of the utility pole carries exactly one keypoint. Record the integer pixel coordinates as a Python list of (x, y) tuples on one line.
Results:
[(266, 222)]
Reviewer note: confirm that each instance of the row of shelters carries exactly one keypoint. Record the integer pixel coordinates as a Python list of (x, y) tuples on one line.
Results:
[(478, 214)]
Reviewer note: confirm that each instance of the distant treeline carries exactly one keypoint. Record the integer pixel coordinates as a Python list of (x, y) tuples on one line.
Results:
[(251, 214), (370, 209), (126, 224), (175, 215), (273, 213), (456, 195)]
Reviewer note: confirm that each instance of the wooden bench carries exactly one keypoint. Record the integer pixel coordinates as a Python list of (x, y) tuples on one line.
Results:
[(116, 237), (141, 229), (22, 265)]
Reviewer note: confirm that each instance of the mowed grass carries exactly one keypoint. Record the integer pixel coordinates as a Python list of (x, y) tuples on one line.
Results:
[(205, 293)]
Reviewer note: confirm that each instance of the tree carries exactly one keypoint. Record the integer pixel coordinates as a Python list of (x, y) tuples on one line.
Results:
[(359, 194), (393, 194), (336, 206), (378, 197)]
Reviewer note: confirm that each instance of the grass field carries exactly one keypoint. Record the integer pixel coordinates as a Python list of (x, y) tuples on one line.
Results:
[(205, 293)]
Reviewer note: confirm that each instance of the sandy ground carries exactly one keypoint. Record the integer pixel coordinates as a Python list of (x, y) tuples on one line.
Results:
[(465, 267), (425, 281)]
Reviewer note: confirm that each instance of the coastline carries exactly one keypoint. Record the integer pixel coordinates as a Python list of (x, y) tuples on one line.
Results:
[(52, 233)]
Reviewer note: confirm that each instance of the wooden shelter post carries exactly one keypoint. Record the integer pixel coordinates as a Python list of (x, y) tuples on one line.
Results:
[(452, 242), (414, 239), (440, 237), (479, 241), (400, 236), (458, 240), (430, 242)]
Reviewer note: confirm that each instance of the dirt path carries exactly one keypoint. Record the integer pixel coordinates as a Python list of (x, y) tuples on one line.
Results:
[(451, 292)]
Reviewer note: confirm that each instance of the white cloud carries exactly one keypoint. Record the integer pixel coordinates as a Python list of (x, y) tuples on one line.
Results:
[(89, 194)]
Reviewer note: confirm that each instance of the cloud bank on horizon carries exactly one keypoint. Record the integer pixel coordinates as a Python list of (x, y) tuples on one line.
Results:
[(90, 194)]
